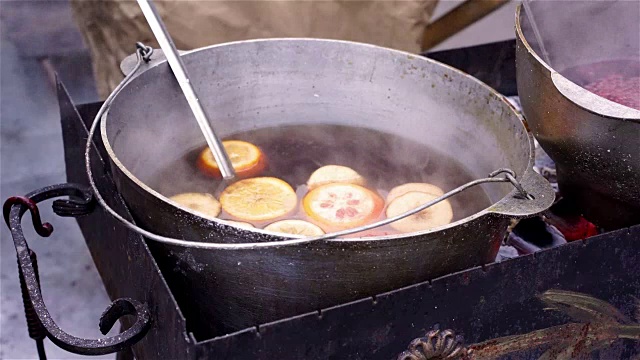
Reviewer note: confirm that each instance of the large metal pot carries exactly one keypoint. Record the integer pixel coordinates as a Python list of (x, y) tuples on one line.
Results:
[(594, 142), (266, 83)]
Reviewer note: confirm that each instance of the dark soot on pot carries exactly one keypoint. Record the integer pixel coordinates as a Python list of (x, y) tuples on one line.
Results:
[(294, 152)]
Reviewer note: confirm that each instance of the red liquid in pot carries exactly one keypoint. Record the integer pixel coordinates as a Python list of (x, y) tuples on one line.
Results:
[(618, 89), (618, 81)]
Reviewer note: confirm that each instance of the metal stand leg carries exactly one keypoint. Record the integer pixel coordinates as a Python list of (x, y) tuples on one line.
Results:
[(34, 327), (126, 354)]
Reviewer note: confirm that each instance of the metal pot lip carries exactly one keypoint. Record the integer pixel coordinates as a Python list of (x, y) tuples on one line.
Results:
[(567, 88), (485, 212), (520, 36)]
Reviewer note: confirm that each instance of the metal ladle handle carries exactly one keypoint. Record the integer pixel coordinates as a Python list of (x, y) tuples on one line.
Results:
[(180, 72)]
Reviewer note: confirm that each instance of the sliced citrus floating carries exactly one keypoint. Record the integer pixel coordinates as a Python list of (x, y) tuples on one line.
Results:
[(295, 227), (247, 159), (334, 174), (203, 204), (437, 215), (342, 206), (419, 187), (258, 199)]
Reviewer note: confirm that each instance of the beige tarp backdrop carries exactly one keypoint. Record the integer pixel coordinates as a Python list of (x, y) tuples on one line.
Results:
[(112, 27)]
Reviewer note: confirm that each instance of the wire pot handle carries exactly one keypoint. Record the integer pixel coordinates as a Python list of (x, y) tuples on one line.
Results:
[(143, 54)]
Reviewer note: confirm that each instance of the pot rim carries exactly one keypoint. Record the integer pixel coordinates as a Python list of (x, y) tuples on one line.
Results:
[(575, 93), (486, 211)]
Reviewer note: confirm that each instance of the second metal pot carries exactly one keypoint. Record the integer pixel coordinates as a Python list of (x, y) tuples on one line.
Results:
[(594, 142)]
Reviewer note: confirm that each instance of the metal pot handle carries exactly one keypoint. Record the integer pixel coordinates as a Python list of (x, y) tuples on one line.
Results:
[(129, 63), (81, 202), (514, 205)]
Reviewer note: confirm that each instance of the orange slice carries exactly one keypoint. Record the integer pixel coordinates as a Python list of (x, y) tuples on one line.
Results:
[(419, 187), (437, 215), (239, 224), (334, 174), (258, 199), (247, 159), (203, 204), (295, 227), (342, 206)]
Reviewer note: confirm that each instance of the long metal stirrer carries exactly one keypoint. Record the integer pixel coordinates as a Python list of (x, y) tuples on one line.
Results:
[(536, 30), (177, 66)]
